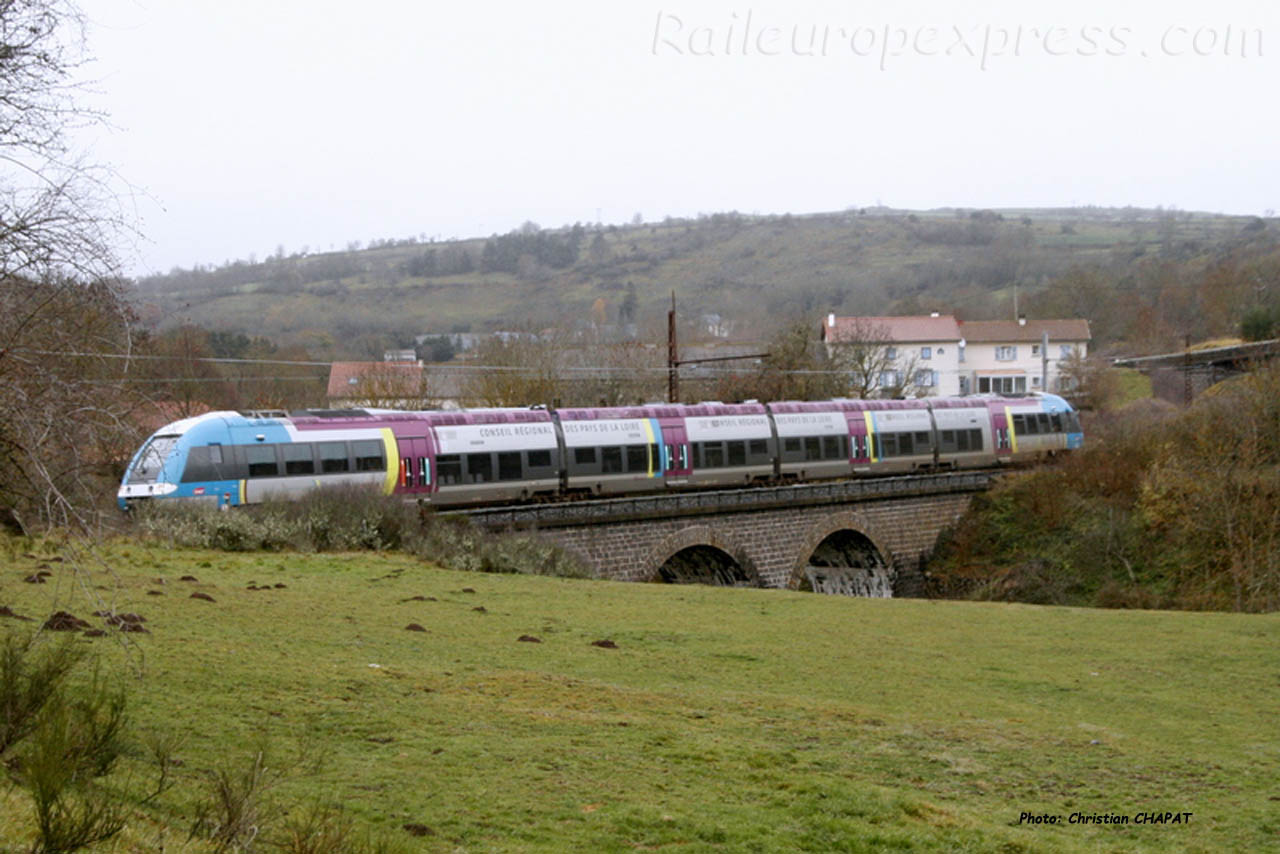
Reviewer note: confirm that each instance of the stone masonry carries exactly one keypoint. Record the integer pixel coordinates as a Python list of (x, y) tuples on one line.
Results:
[(772, 546)]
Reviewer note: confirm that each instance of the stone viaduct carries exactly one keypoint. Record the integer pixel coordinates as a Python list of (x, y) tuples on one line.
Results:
[(764, 537)]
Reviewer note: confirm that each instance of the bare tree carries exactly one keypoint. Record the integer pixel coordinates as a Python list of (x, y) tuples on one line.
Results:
[(389, 385), (871, 362), (62, 309)]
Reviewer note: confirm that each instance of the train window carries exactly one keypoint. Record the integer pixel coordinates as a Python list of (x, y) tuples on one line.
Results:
[(1019, 424), (539, 459), (975, 439), (449, 469), (611, 460), (1056, 420), (333, 457), (831, 447), (684, 456), (860, 447), (656, 457), (671, 457), (637, 458), (1042, 421), (479, 468), (262, 460), (198, 467), (812, 448), (791, 446), (962, 440), (368, 454), (713, 454), (922, 443), (1073, 422), (215, 454), (888, 444), (584, 456), (737, 453), (698, 460), (758, 448), (947, 441), (906, 445), (509, 466), (406, 471), (298, 459), (424, 471)]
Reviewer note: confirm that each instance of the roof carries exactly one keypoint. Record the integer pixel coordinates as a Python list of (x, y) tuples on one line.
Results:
[(992, 331), (346, 379), (903, 329)]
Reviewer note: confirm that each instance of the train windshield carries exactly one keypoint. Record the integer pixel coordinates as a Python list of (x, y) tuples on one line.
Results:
[(151, 461)]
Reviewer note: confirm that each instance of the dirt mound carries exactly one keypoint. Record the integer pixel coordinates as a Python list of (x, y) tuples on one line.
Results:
[(529, 639), (6, 611), (279, 586), (468, 590), (93, 633), (415, 829), (188, 578), (134, 627), (482, 609), (34, 579), (605, 644), (61, 621), (414, 627), (205, 596), (155, 592), (418, 599)]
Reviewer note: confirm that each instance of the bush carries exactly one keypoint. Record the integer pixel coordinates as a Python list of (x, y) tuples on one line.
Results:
[(1159, 510), (355, 519)]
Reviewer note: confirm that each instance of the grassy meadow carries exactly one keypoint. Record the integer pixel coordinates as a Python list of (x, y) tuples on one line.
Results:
[(724, 719)]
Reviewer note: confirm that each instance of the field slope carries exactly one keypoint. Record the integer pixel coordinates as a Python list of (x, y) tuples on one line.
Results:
[(724, 720)]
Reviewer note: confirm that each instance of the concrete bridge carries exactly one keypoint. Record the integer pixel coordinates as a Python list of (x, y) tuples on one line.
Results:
[(862, 537)]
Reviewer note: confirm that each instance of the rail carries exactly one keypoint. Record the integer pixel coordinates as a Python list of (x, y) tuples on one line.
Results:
[(667, 505)]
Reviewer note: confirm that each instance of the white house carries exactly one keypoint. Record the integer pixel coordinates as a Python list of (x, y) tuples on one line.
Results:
[(1009, 357), (953, 357)]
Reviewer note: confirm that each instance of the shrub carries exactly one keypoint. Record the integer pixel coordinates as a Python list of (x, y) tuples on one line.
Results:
[(355, 519)]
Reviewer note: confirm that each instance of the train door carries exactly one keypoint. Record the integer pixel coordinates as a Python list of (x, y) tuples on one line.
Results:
[(417, 459), (859, 441), (1000, 434), (676, 461)]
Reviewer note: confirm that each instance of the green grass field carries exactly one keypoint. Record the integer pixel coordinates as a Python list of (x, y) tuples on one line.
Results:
[(725, 719)]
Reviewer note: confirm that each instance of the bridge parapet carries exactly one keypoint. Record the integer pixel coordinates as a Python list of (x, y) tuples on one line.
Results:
[(767, 536)]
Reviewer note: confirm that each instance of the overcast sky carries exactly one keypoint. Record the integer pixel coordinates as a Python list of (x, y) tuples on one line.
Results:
[(307, 123)]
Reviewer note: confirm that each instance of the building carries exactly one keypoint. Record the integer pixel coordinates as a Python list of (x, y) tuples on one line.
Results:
[(918, 353), (937, 355), (1010, 356), (394, 385)]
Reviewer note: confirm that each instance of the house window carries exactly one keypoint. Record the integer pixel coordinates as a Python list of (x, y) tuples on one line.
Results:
[(1035, 349), (1006, 353), (888, 378), (1066, 351), (926, 378), (1035, 382), (927, 352), (891, 353)]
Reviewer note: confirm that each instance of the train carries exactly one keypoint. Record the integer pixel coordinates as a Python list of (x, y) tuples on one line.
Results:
[(455, 458)]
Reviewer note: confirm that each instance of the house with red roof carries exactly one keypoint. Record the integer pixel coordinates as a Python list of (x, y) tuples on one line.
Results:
[(937, 355)]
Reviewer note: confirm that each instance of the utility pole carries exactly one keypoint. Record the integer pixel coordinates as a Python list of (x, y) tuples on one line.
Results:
[(1186, 372), (1044, 361), (673, 356)]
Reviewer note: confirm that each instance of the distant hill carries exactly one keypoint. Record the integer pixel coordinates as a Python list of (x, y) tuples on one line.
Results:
[(1144, 278)]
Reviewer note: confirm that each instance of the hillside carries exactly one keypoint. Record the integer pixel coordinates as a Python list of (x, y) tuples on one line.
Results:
[(724, 720), (1145, 278)]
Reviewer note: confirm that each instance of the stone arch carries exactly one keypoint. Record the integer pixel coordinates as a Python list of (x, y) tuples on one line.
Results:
[(834, 523), (705, 536)]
